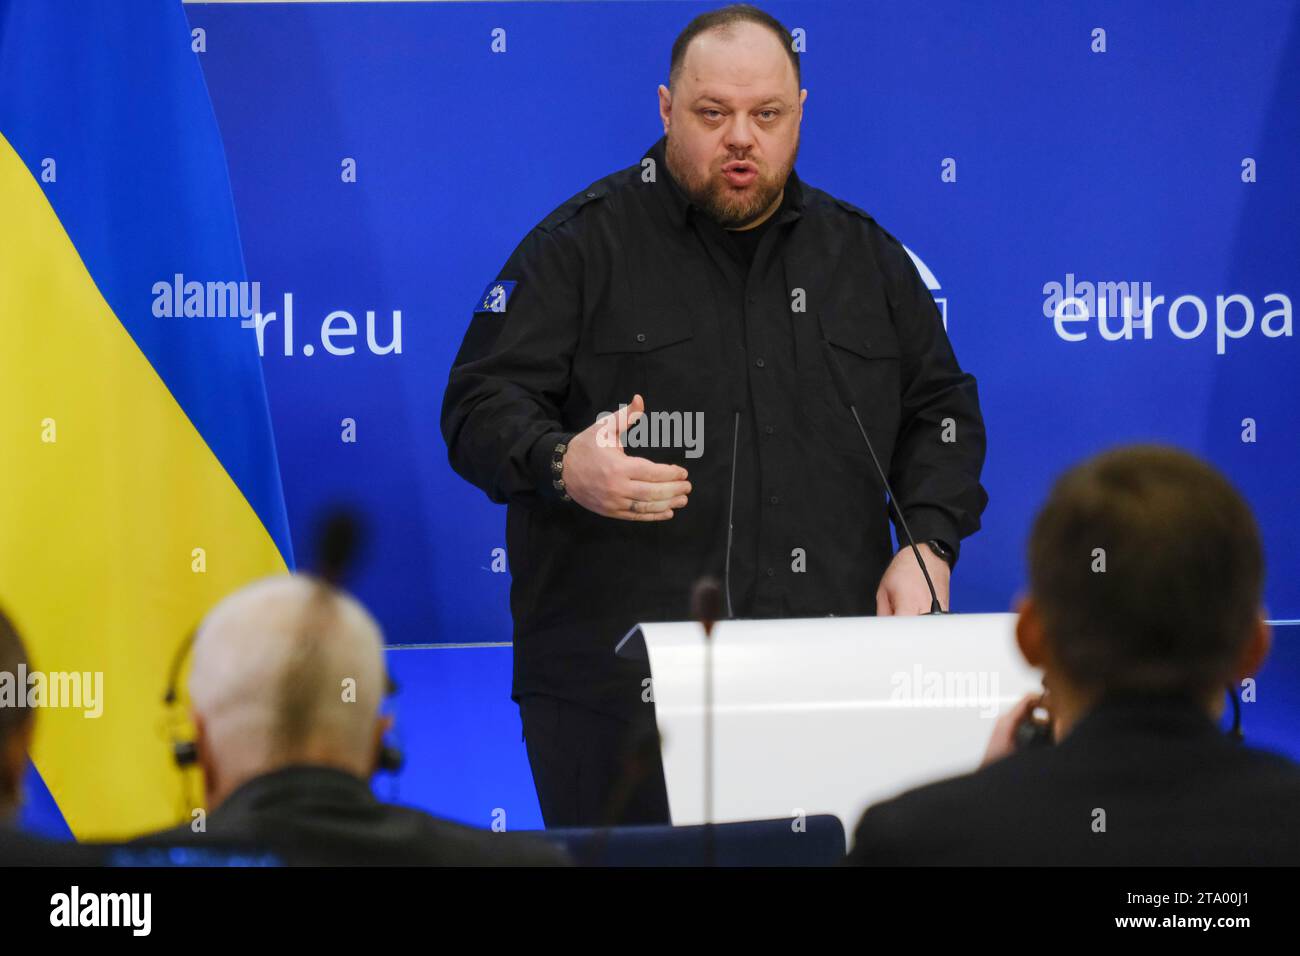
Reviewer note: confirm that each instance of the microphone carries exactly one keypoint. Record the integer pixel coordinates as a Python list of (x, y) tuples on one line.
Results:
[(731, 512), (737, 406), (339, 539), (846, 396), (706, 603), (706, 607)]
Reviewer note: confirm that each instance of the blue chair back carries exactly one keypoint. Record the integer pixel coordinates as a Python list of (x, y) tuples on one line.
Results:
[(818, 841)]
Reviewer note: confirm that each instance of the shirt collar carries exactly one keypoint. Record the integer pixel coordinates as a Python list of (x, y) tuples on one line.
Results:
[(680, 207), (1120, 714), (289, 782)]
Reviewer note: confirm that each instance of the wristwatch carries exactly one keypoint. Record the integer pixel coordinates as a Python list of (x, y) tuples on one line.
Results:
[(557, 469), (943, 551)]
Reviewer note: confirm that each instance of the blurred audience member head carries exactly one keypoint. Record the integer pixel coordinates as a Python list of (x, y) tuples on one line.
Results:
[(16, 723), (288, 671), (1145, 578)]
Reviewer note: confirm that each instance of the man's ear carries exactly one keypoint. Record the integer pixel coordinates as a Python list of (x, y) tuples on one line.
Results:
[(1029, 633), (665, 105), (1255, 652)]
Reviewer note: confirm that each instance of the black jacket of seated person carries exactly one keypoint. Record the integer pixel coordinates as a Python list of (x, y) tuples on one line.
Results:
[(1174, 788), (18, 848), (320, 816)]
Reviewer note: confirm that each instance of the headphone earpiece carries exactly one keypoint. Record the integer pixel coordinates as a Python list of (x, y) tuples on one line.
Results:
[(390, 759), (185, 753), (1235, 733)]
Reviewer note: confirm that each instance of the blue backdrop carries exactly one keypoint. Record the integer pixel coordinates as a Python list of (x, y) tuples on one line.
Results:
[(1132, 164)]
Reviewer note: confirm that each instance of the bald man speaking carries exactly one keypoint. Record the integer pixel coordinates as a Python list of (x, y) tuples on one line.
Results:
[(285, 690), (727, 314)]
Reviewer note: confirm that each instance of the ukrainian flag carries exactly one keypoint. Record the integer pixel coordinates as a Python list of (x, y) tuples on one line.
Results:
[(138, 477)]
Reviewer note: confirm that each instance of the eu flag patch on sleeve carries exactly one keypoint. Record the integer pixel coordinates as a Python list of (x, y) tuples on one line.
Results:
[(496, 296)]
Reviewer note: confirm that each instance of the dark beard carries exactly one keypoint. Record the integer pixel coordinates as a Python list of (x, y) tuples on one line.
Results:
[(708, 194)]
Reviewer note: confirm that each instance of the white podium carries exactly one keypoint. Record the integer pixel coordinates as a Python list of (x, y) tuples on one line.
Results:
[(826, 715)]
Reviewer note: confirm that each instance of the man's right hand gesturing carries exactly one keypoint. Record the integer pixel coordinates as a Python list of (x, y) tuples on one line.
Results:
[(602, 477)]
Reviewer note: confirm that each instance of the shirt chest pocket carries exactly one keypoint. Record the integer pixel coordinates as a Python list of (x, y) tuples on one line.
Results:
[(651, 350), (639, 331), (865, 349)]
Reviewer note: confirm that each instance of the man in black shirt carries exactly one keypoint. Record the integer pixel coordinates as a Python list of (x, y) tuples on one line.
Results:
[(701, 284)]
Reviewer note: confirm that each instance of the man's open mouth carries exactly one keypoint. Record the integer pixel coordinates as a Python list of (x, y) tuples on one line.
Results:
[(740, 174)]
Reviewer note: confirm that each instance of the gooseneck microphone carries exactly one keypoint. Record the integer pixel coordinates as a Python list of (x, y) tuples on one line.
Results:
[(846, 396), (706, 607), (731, 512), (340, 541), (737, 398)]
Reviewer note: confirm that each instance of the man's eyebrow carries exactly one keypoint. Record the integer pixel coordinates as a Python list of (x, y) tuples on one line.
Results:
[(710, 98)]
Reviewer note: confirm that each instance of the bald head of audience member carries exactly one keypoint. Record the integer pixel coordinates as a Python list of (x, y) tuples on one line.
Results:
[(16, 723), (288, 671)]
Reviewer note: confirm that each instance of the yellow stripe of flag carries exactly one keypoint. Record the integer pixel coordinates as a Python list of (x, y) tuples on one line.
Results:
[(106, 492)]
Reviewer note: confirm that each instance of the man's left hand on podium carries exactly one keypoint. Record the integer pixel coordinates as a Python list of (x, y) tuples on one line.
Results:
[(902, 590)]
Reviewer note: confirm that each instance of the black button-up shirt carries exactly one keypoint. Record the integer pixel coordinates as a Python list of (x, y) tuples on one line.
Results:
[(629, 287)]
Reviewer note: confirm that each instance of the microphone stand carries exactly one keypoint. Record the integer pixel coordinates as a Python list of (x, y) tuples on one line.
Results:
[(707, 607), (846, 396)]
